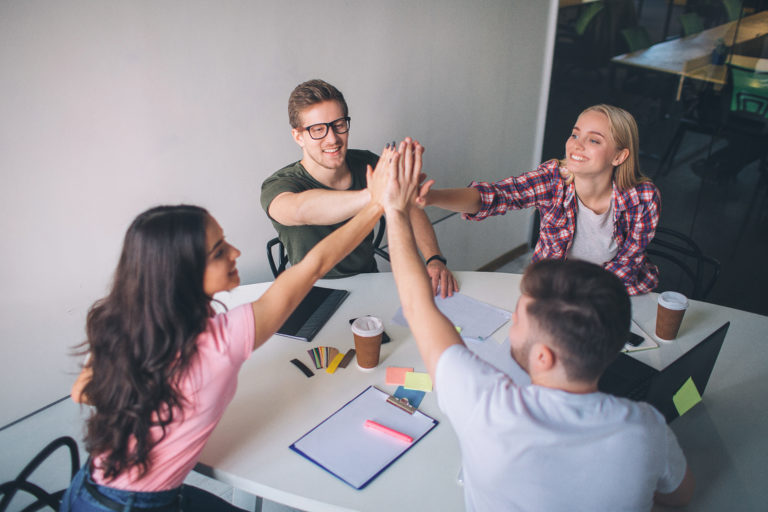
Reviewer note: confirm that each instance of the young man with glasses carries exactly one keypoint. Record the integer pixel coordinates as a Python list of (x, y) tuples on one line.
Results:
[(309, 199)]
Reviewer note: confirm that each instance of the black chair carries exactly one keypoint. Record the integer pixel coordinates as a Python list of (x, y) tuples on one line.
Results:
[(682, 265), (278, 257), (741, 119), (28, 490)]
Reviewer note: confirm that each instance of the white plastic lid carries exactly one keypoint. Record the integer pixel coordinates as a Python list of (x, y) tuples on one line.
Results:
[(673, 300), (367, 326)]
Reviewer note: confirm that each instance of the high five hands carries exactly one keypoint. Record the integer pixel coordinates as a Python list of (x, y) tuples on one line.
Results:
[(399, 188)]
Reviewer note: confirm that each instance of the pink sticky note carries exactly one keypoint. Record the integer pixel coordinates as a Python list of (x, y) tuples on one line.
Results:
[(396, 376)]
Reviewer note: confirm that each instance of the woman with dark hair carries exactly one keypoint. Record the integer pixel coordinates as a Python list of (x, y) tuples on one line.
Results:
[(162, 367)]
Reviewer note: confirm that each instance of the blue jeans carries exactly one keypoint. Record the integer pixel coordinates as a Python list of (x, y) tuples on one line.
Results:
[(186, 498)]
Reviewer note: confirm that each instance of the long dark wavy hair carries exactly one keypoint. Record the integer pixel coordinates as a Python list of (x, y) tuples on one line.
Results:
[(142, 336)]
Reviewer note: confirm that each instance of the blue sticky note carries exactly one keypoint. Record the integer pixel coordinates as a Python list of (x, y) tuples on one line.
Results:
[(414, 396)]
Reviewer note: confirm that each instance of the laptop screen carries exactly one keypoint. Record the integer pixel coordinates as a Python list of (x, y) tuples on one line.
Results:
[(696, 364), (630, 378)]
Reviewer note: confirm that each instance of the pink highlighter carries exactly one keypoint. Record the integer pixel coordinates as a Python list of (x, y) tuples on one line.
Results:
[(390, 432)]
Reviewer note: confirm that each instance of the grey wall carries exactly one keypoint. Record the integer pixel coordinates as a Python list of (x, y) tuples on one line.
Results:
[(108, 108)]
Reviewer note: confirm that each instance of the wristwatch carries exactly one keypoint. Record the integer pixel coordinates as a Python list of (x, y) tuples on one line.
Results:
[(438, 258)]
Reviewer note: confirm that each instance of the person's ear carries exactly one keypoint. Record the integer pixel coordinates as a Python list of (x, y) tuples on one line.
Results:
[(542, 358), (298, 136), (620, 157)]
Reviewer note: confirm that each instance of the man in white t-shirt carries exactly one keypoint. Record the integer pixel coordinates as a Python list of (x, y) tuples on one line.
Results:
[(558, 444)]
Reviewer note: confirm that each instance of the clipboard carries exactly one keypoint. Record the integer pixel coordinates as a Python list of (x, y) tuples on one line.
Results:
[(312, 313), (342, 446)]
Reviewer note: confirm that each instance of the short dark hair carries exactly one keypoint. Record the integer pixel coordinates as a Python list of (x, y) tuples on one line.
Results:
[(311, 93), (583, 308)]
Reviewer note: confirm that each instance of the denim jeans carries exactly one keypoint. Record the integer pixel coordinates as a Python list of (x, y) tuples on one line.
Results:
[(186, 498)]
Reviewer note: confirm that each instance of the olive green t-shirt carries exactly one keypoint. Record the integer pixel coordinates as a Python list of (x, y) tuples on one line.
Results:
[(298, 240)]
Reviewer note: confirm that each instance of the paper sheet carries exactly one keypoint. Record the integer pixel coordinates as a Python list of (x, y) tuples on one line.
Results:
[(498, 355), (475, 320)]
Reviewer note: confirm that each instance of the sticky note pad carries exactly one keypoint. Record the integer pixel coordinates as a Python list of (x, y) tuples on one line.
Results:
[(396, 376), (418, 380), (414, 396), (334, 362), (686, 397)]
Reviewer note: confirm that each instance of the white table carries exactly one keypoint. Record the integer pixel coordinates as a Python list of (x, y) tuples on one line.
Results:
[(724, 438)]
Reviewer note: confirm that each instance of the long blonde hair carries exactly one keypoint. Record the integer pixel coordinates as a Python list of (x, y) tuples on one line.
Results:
[(625, 135)]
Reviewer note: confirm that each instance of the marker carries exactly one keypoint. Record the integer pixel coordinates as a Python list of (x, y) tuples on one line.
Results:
[(390, 432)]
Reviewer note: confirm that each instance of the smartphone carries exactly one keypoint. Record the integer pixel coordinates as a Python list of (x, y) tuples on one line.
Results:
[(635, 339), (384, 337)]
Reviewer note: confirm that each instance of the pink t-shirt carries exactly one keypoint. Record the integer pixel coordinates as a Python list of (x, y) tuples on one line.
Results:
[(208, 386)]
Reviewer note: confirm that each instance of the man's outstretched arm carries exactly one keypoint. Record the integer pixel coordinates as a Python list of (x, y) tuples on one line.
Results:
[(434, 333), (317, 207)]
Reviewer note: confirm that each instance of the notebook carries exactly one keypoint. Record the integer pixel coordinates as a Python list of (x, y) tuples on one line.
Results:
[(344, 447), (312, 313), (627, 377)]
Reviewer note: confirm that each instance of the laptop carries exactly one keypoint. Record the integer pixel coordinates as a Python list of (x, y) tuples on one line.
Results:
[(629, 378), (312, 313)]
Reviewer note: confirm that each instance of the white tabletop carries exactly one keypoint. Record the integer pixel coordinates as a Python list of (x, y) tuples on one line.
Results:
[(724, 438)]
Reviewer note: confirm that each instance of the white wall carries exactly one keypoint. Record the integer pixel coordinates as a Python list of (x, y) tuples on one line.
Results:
[(108, 108)]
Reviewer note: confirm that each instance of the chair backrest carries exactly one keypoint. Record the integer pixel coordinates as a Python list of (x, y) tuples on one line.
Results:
[(749, 93), (636, 38), (682, 265), (732, 9), (691, 23), (278, 257), (586, 17), (41, 498)]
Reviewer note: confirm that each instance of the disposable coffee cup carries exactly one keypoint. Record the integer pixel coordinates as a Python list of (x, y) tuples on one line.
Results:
[(367, 331), (669, 315)]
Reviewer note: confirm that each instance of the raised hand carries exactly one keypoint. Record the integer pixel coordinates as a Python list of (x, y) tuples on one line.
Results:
[(386, 169), (402, 188)]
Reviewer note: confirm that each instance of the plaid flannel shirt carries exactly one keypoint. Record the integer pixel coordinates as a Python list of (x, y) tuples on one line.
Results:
[(635, 216)]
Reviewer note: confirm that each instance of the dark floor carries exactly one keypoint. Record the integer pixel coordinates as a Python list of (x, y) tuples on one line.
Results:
[(717, 211)]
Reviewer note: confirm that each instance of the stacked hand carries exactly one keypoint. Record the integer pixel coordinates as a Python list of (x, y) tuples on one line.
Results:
[(378, 178)]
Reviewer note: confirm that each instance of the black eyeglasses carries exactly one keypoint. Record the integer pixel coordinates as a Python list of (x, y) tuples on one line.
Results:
[(320, 130)]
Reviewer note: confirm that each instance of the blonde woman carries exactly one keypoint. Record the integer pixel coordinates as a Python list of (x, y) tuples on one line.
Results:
[(595, 205)]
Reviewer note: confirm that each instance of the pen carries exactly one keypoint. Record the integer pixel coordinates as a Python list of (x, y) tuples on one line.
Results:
[(390, 432)]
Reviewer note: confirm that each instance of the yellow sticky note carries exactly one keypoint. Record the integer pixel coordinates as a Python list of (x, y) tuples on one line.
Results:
[(418, 381), (686, 397), (334, 363)]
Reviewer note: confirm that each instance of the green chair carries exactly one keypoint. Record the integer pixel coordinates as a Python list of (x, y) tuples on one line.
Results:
[(691, 23), (587, 16), (636, 38), (732, 9), (750, 92), (576, 43)]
